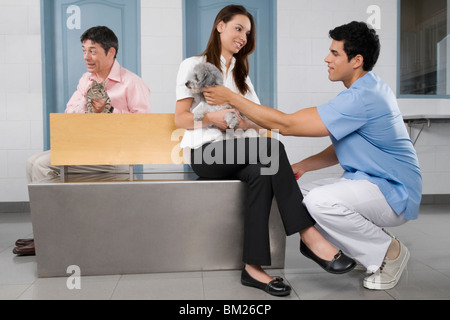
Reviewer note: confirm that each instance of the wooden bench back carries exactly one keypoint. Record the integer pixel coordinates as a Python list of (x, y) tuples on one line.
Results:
[(114, 139)]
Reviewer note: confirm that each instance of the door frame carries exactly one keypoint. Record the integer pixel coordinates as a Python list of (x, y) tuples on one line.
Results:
[(49, 68), (272, 98)]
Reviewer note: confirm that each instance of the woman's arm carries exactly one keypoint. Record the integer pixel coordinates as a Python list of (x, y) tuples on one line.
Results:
[(324, 159), (183, 116), (304, 123)]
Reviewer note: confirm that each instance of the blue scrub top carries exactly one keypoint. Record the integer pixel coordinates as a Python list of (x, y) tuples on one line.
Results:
[(372, 143)]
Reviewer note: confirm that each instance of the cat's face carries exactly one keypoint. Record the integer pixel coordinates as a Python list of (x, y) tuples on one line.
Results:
[(98, 89), (97, 60)]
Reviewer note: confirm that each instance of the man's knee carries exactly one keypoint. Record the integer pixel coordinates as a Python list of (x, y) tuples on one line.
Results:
[(40, 167), (321, 204), (311, 201)]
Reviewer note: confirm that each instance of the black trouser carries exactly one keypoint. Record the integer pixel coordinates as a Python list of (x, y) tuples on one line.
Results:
[(245, 163)]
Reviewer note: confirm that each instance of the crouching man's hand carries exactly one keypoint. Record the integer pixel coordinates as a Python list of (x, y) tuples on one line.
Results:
[(218, 95)]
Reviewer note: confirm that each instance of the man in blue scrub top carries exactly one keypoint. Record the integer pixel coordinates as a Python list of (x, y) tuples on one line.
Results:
[(381, 185)]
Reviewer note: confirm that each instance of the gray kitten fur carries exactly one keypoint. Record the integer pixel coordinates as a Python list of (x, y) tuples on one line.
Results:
[(206, 75)]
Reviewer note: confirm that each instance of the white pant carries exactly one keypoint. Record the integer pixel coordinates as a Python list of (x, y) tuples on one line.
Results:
[(39, 167), (350, 214)]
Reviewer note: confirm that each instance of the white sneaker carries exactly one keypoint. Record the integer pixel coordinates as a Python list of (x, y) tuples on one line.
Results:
[(389, 273)]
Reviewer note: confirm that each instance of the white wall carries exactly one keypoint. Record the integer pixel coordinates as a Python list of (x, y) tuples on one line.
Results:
[(21, 133), (303, 43), (303, 80), (162, 46)]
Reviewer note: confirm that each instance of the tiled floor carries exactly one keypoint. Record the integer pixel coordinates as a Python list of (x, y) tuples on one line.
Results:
[(427, 275)]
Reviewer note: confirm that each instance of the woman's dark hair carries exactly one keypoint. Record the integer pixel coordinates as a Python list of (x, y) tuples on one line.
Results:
[(103, 36), (359, 39), (214, 48)]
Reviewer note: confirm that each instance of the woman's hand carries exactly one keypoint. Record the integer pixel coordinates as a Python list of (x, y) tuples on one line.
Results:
[(217, 96), (218, 118), (221, 96)]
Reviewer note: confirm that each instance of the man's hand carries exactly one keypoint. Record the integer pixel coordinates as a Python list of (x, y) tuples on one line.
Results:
[(298, 170), (98, 105), (217, 96)]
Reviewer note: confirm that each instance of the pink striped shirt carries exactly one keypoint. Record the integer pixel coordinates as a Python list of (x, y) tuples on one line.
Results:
[(127, 91)]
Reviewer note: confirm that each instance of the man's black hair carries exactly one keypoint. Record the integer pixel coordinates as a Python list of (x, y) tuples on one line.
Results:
[(359, 39), (103, 36)]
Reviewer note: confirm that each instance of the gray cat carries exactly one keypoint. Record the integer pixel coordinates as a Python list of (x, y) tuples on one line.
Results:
[(98, 91)]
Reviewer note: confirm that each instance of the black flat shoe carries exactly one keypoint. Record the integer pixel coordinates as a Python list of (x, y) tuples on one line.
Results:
[(275, 287), (340, 263)]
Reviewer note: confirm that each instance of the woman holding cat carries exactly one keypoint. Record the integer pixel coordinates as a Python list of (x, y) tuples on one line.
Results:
[(232, 40)]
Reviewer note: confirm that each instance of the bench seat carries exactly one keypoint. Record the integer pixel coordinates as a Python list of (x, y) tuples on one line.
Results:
[(135, 223), (161, 222)]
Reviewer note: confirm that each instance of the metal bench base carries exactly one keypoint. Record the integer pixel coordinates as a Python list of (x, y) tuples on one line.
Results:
[(168, 223)]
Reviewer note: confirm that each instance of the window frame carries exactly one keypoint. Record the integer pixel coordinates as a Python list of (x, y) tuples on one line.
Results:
[(399, 60)]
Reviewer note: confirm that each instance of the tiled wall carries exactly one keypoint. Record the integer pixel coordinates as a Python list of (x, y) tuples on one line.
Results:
[(303, 80), (162, 45), (303, 43), (433, 148), (21, 133)]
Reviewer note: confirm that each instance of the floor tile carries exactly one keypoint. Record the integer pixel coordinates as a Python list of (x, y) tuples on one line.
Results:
[(325, 286), (420, 282), (151, 287), (91, 288), (12, 292), (427, 275), (17, 270)]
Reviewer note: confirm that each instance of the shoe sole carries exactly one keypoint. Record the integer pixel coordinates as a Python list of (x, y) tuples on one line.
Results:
[(249, 284), (20, 254), (388, 285), (24, 254)]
